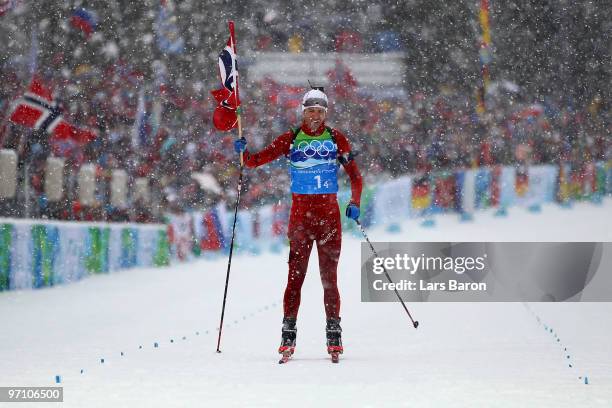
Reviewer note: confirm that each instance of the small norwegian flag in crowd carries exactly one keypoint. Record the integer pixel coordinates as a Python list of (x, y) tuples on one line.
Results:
[(225, 116), (38, 110)]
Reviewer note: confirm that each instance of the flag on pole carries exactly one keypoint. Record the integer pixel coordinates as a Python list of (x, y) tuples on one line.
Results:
[(485, 54), (227, 66), (225, 116)]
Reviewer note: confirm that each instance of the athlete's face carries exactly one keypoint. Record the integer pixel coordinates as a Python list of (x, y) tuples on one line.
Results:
[(314, 117)]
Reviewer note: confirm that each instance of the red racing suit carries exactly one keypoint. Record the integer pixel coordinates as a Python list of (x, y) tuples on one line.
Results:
[(313, 218)]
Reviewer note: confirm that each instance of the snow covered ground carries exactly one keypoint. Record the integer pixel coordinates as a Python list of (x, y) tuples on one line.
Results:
[(463, 354)]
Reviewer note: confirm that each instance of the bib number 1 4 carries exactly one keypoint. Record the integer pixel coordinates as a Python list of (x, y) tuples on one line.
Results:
[(325, 183)]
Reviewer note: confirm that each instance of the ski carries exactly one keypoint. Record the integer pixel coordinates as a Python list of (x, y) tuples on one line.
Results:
[(335, 357), (286, 354), (334, 352)]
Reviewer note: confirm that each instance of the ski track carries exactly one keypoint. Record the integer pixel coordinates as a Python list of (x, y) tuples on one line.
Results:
[(462, 354)]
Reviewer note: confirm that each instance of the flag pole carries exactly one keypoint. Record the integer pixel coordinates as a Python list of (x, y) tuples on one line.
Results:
[(236, 97), (485, 55), (229, 262)]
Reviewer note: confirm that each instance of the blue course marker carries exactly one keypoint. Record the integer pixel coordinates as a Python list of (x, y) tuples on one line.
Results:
[(502, 212), (428, 223)]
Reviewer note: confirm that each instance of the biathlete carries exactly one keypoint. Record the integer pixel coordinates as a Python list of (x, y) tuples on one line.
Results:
[(315, 153)]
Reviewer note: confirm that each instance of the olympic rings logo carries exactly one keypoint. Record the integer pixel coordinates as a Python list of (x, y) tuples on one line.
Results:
[(309, 149)]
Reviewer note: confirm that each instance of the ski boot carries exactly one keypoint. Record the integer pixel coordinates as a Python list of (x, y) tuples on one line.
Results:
[(289, 332), (334, 338)]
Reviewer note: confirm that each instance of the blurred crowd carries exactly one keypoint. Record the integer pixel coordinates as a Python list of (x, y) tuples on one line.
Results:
[(192, 166), (423, 132), (148, 100)]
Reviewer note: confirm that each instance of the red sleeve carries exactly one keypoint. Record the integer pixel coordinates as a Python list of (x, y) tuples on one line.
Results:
[(344, 149), (278, 147)]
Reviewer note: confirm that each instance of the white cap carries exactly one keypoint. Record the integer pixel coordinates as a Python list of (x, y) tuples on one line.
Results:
[(314, 98)]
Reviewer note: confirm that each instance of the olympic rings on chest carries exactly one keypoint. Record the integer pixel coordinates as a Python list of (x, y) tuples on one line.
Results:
[(313, 147)]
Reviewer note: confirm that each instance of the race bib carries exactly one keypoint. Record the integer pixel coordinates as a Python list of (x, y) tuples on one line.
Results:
[(314, 169)]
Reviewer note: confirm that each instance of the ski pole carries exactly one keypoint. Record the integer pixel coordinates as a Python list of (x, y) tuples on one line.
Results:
[(238, 114), (415, 323), (229, 262)]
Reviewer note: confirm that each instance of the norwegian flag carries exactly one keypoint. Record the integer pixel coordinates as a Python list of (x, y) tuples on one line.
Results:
[(38, 110), (227, 66), (228, 100)]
